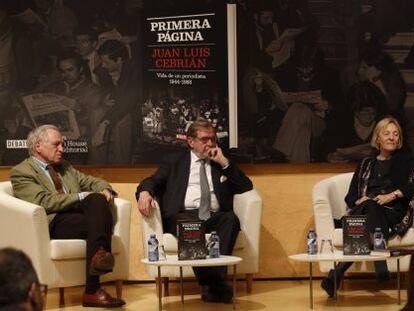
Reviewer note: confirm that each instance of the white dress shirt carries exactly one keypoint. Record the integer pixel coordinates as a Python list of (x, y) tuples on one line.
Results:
[(193, 194)]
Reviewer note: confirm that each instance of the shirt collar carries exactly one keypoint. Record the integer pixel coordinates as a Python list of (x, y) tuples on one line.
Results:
[(41, 164), (195, 158)]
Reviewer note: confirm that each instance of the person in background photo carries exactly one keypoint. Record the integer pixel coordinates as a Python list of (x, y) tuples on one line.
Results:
[(20, 289), (367, 106), (122, 101), (199, 184), (378, 68), (86, 40), (78, 206), (381, 188)]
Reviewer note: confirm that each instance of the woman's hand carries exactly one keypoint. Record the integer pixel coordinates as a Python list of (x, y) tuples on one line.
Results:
[(361, 200), (382, 199)]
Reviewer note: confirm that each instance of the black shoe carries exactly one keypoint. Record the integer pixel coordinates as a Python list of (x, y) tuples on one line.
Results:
[(328, 283), (381, 271), (208, 295)]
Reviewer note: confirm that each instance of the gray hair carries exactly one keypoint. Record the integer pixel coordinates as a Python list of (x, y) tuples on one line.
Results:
[(200, 123), (39, 134)]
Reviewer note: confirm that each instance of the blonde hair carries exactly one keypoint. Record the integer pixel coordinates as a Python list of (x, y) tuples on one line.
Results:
[(381, 125)]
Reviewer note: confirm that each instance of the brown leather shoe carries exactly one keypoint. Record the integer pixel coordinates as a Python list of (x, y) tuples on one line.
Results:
[(101, 299), (102, 262)]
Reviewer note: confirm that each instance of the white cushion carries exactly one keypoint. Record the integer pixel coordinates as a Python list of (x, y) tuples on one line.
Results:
[(76, 249)]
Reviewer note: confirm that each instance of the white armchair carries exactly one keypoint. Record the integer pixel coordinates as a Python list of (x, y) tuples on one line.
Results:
[(328, 203), (59, 263), (247, 206)]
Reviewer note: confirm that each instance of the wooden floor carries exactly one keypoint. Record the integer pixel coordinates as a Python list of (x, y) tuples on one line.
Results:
[(364, 295)]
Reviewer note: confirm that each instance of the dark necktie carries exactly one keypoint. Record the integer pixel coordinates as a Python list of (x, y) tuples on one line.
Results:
[(55, 178), (205, 198)]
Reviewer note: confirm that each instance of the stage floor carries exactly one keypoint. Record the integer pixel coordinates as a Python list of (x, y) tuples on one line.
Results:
[(364, 295)]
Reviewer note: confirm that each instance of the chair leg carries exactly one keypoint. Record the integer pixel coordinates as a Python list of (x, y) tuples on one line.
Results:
[(61, 296), (157, 285), (118, 286), (166, 288), (249, 282)]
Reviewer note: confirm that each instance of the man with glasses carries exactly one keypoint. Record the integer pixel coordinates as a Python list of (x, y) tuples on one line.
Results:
[(19, 285), (186, 183)]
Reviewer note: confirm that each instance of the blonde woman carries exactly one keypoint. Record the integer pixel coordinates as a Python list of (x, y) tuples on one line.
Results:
[(381, 189)]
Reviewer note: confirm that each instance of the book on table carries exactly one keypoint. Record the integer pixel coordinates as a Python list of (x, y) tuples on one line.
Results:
[(355, 235), (392, 252), (191, 240)]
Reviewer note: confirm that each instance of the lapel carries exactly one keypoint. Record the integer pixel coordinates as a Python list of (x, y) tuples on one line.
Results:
[(41, 176), (184, 175), (215, 176)]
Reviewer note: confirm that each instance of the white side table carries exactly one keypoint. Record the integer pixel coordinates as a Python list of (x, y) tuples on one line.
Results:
[(172, 260), (340, 257)]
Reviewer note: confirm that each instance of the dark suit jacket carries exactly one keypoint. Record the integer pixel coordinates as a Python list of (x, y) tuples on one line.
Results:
[(400, 175), (169, 184)]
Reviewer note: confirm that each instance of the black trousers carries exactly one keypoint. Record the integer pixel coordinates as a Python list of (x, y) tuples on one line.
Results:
[(91, 220), (379, 216), (227, 226)]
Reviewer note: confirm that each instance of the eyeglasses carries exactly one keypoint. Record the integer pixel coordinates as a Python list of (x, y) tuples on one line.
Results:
[(205, 140)]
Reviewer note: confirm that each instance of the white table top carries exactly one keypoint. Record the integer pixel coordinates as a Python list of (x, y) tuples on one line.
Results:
[(338, 257), (172, 260)]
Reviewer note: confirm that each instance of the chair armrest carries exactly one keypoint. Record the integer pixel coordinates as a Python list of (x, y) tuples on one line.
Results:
[(122, 219), (24, 225), (248, 207), (152, 224), (322, 210)]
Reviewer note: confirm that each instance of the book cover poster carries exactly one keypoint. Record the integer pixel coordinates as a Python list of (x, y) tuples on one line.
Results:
[(355, 235), (185, 74), (76, 65), (191, 240)]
